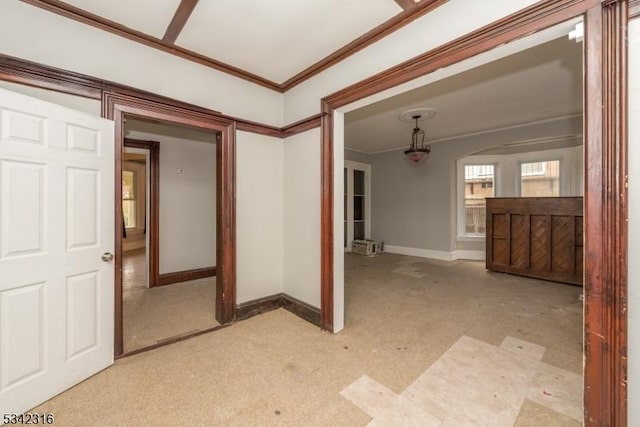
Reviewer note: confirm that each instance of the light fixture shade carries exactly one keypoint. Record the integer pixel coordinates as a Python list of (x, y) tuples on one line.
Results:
[(417, 156)]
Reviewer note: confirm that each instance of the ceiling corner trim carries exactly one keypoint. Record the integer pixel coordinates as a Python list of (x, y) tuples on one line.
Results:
[(186, 7), (365, 40)]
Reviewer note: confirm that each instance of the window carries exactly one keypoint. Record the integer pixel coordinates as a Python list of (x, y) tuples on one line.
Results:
[(478, 184), (540, 179), (129, 198)]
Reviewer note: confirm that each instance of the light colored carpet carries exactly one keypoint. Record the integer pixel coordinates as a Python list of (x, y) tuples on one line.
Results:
[(156, 314), (276, 369)]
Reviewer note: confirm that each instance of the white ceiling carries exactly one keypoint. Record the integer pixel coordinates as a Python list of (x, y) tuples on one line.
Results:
[(536, 84), (151, 17), (277, 39), (274, 39)]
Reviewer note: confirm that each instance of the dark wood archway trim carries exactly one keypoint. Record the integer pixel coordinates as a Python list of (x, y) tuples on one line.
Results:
[(606, 215), (153, 228), (605, 337), (115, 107)]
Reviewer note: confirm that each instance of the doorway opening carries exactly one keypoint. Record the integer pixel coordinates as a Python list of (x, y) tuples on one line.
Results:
[(605, 174), (169, 232), (188, 260)]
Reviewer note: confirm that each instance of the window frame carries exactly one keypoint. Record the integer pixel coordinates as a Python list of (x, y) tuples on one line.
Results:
[(139, 193), (461, 234)]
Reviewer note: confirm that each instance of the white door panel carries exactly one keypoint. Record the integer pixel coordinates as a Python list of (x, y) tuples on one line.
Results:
[(56, 221)]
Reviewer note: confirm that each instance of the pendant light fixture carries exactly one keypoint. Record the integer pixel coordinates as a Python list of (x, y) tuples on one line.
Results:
[(417, 152)]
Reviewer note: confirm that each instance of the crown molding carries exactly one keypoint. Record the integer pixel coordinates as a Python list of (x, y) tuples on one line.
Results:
[(482, 132), (167, 44)]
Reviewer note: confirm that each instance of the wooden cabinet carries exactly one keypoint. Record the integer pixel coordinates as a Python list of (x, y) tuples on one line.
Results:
[(539, 237)]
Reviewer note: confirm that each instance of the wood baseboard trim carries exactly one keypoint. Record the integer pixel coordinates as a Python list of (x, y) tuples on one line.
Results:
[(263, 305), (301, 309), (254, 307), (183, 276)]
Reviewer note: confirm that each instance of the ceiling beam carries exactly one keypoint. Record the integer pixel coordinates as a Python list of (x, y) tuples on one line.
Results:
[(406, 4), (179, 20), (63, 9)]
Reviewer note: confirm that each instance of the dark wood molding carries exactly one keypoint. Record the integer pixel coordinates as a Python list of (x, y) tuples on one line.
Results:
[(166, 44), (253, 127), (80, 15), (180, 18), (263, 305), (185, 275), (605, 193), (31, 74), (326, 218), (406, 4), (301, 126), (153, 228), (258, 306), (634, 9), (605, 372), (115, 107), (45, 77), (367, 39), (539, 16), (301, 309), (172, 340)]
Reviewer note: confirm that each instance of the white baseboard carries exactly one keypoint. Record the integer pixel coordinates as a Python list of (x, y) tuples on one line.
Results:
[(423, 253), (433, 254), (468, 255)]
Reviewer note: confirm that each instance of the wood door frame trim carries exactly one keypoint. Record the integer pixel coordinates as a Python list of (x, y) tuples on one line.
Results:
[(605, 337), (114, 107), (153, 227)]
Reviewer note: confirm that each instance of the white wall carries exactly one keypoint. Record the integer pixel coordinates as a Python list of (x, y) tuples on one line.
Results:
[(259, 204), (423, 34), (634, 223), (34, 34), (86, 105), (302, 217), (187, 202)]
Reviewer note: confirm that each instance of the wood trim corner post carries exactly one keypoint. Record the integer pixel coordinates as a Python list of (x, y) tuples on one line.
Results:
[(605, 346), (115, 106)]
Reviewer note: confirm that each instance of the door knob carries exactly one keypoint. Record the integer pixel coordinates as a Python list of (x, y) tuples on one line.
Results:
[(107, 256)]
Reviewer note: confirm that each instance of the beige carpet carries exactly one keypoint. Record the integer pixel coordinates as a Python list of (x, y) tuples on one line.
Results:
[(154, 315), (276, 369)]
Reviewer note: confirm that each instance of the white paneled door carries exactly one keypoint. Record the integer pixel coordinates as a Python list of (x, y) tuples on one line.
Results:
[(56, 223)]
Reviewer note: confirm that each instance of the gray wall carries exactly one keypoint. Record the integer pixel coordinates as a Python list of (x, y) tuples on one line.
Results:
[(356, 156), (415, 207)]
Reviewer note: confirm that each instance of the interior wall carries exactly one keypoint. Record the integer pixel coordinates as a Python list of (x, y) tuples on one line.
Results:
[(187, 202), (633, 300), (79, 103), (259, 213), (302, 216), (426, 196), (60, 42), (356, 156)]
